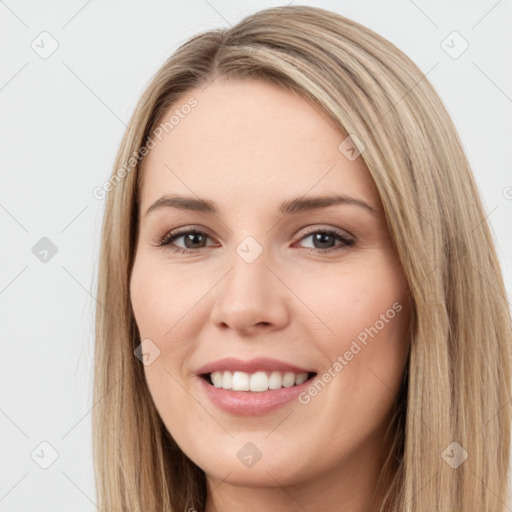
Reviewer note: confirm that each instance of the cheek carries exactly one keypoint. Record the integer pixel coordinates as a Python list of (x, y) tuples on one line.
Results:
[(365, 312), (160, 309), (163, 299), (351, 301), (168, 310)]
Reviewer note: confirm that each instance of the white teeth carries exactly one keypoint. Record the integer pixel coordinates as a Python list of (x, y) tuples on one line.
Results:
[(301, 377), (227, 380), (259, 381), (217, 379), (288, 379), (275, 380), (240, 381)]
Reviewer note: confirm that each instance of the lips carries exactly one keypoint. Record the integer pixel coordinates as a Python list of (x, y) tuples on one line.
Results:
[(254, 387), (251, 366)]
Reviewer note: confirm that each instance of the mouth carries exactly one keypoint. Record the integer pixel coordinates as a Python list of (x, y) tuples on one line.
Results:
[(256, 382)]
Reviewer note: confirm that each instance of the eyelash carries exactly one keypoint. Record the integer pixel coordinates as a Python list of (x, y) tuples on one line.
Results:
[(174, 235)]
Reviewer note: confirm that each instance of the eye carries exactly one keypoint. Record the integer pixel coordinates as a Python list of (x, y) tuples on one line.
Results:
[(323, 239), (195, 239)]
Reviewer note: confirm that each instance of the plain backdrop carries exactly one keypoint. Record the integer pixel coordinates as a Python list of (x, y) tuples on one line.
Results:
[(70, 75)]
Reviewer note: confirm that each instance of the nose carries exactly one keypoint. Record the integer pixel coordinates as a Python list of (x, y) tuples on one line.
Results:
[(251, 299)]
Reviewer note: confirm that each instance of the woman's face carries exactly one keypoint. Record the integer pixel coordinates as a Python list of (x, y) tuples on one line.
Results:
[(308, 284)]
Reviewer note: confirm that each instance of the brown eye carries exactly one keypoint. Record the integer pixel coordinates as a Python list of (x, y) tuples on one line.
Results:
[(192, 240), (324, 240)]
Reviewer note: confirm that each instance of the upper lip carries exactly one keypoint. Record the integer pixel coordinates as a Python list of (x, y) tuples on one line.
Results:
[(251, 366)]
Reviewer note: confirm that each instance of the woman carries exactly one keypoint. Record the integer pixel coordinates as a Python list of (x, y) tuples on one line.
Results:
[(300, 305)]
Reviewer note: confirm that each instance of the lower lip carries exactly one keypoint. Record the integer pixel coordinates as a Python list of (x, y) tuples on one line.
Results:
[(252, 403)]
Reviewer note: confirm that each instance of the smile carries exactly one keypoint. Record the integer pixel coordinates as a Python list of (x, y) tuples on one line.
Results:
[(259, 381), (265, 396)]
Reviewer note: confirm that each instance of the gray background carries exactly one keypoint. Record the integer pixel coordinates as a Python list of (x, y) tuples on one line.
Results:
[(63, 116)]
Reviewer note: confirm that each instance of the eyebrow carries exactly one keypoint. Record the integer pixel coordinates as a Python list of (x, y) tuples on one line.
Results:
[(293, 206)]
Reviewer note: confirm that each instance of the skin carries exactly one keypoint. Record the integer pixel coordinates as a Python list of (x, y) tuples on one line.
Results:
[(248, 146)]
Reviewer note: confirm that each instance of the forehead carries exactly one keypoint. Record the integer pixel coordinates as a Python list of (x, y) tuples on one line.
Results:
[(249, 140)]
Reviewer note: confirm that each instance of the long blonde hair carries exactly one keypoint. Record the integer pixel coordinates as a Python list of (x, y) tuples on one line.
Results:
[(457, 383)]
